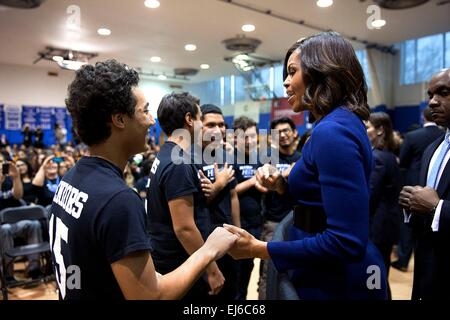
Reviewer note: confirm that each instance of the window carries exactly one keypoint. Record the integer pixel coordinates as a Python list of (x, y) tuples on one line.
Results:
[(362, 57), (421, 58)]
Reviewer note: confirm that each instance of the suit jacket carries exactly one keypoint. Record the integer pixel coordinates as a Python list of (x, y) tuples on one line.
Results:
[(384, 220), (432, 249), (412, 149), (332, 176)]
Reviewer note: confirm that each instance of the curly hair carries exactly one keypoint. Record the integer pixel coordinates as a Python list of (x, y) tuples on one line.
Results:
[(332, 74), (97, 93)]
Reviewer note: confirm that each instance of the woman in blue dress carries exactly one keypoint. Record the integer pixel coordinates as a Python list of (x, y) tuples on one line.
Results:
[(328, 254)]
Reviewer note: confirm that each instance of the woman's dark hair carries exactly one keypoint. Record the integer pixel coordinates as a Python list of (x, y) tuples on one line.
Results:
[(332, 74), (173, 109), (97, 93), (29, 167), (382, 120)]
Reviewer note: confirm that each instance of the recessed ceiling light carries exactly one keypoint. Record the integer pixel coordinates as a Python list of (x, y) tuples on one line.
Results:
[(324, 3), (58, 59), (204, 66), (248, 28), (155, 59), (377, 24), (152, 4), (104, 32), (190, 47), (162, 77)]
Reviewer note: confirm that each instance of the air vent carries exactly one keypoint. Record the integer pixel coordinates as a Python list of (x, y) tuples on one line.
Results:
[(242, 44), (399, 4), (185, 71), (22, 4)]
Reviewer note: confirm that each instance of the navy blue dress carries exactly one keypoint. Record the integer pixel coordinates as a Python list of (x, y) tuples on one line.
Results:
[(333, 174)]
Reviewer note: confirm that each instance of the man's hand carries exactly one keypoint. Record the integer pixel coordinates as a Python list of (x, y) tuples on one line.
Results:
[(404, 198), (423, 201), (219, 242), (216, 279), (224, 177), (206, 184)]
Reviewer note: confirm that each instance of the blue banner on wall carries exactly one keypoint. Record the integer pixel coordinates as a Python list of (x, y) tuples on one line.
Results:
[(29, 116), (45, 118), (13, 117)]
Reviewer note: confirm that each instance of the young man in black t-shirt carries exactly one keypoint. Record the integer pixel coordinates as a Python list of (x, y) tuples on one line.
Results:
[(100, 247), (247, 162), (277, 206), (219, 186), (178, 216)]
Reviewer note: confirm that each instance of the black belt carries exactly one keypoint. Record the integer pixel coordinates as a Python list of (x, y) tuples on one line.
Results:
[(310, 219)]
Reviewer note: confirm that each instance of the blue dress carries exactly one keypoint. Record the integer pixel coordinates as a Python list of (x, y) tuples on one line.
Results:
[(333, 175)]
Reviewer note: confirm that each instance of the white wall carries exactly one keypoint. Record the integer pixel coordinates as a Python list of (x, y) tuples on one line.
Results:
[(23, 85)]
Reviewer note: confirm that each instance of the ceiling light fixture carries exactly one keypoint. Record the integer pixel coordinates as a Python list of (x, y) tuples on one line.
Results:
[(190, 47), (65, 58), (324, 3), (104, 32), (152, 4), (204, 66), (248, 28), (162, 77), (155, 59), (378, 24), (58, 58)]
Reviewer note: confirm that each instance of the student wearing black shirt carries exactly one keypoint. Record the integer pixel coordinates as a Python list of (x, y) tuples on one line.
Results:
[(98, 238), (247, 162), (179, 219), (276, 206), (219, 186), (46, 181)]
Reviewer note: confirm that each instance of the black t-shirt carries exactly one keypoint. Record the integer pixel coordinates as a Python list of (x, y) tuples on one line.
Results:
[(276, 206), (96, 220), (170, 179), (220, 207), (250, 200)]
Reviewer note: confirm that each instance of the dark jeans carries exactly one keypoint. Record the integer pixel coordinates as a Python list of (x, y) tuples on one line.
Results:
[(26, 229)]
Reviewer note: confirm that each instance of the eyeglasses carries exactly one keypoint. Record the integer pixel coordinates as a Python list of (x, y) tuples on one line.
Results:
[(285, 131)]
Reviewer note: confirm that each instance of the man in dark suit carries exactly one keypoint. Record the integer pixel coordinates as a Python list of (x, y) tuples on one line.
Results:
[(429, 206), (411, 153)]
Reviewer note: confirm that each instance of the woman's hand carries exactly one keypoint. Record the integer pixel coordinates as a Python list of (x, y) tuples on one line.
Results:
[(246, 246), (270, 178)]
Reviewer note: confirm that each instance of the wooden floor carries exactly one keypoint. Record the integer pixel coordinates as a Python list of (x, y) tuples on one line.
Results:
[(401, 283)]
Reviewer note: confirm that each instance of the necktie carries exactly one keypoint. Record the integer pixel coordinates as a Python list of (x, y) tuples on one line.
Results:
[(432, 180)]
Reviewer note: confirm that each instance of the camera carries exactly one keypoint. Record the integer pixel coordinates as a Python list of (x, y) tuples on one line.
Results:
[(58, 160)]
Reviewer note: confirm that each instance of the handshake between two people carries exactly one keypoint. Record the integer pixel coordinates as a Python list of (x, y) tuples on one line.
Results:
[(233, 240), (237, 242)]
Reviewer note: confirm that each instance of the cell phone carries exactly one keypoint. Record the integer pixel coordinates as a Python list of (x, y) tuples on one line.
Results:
[(5, 168), (57, 160)]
